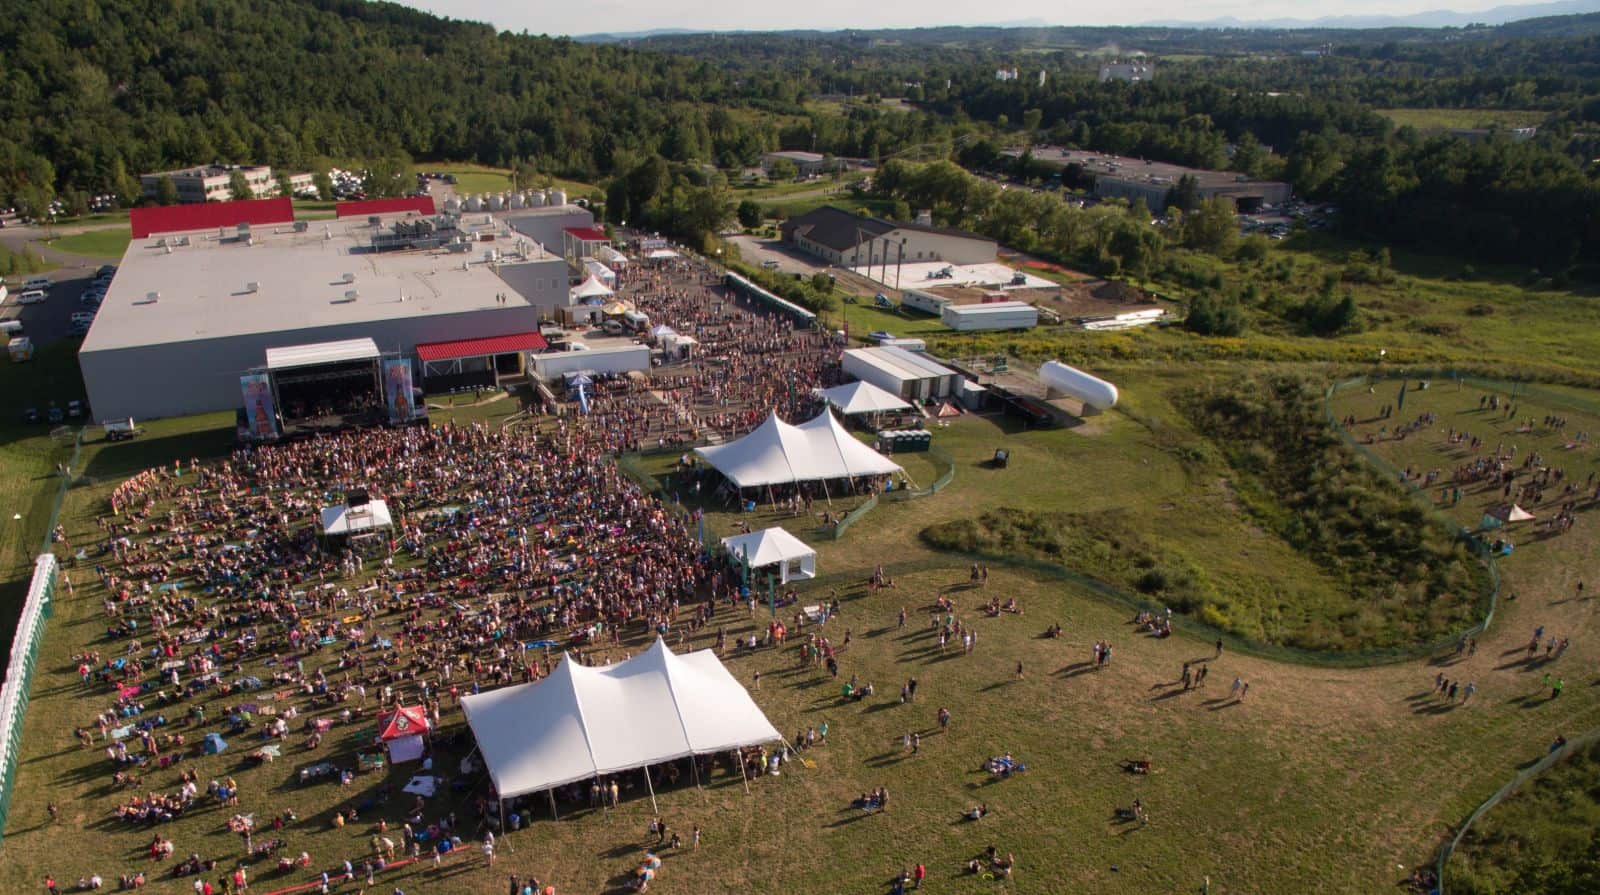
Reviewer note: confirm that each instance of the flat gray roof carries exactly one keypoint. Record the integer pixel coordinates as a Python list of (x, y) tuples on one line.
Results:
[(203, 289), (901, 364), (1133, 169)]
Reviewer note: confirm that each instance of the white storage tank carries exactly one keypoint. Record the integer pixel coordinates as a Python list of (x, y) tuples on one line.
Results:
[(558, 197), (536, 198), (1093, 391), (497, 202), (452, 205), (475, 203), (517, 201)]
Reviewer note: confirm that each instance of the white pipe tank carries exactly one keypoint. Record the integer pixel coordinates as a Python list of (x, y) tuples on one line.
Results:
[(1091, 390), (558, 197)]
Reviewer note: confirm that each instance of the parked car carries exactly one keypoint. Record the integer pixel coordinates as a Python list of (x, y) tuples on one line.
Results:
[(74, 410), (31, 297), (55, 414), (770, 264), (31, 415), (121, 430)]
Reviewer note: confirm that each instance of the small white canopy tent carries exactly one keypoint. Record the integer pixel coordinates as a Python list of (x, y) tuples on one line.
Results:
[(611, 256), (343, 519), (862, 397), (592, 288), (660, 254), (775, 546), (583, 722), (777, 453)]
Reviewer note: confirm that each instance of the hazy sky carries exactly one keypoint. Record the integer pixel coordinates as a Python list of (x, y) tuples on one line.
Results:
[(593, 16)]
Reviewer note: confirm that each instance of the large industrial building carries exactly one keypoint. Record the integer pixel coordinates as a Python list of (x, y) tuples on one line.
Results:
[(854, 240), (191, 310), (1119, 177)]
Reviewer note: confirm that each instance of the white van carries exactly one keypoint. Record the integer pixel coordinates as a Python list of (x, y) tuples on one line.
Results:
[(41, 284), (10, 327), (31, 297)]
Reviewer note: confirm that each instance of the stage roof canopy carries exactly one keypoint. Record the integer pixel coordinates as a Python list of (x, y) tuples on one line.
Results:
[(291, 356)]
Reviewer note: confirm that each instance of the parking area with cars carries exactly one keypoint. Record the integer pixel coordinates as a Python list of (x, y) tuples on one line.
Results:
[(63, 310)]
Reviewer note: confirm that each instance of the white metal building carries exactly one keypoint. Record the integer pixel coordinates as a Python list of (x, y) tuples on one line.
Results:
[(189, 312), (995, 315), (911, 376)]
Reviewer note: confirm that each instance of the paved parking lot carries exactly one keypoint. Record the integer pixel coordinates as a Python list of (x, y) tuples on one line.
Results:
[(756, 250), (50, 320)]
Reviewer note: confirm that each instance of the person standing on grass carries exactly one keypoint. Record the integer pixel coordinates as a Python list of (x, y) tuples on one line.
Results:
[(917, 876), (1555, 689), (1245, 691), (694, 838), (1467, 693), (944, 718), (1234, 690), (1218, 653), (50, 885), (1019, 671), (916, 742)]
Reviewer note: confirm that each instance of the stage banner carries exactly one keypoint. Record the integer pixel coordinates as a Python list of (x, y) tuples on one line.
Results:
[(397, 389), (258, 409)]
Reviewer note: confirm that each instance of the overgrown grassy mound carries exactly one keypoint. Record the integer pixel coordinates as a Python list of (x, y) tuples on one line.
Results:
[(1299, 481), (1545, 838), (1392, 576)]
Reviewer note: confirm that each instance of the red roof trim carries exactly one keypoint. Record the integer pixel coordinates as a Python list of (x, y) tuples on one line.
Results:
[(205, 215), (431, 351), (588, 234), (418, 204)]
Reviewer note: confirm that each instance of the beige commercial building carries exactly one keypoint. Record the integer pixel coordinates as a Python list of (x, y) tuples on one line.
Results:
[(212, 183)]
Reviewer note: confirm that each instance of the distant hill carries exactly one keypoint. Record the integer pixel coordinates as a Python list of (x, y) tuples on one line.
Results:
[(1441, 18)]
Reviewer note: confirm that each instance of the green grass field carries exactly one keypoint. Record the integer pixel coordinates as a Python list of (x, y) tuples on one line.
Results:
[(1425, 119), (110, 242), (483, 179), (1325, 779)]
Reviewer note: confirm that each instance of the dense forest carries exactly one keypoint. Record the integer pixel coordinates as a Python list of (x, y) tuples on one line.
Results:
[(96, 93)]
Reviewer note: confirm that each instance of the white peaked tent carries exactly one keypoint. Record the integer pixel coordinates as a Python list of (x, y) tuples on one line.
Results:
[(583, 722), (592, 288), (775, 546), (343, 519), (776, 453), (862, 397)]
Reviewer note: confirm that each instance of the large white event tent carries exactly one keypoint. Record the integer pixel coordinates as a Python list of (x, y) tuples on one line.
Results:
[(774, 547), (860, 397), (777, 453), (582, 722)]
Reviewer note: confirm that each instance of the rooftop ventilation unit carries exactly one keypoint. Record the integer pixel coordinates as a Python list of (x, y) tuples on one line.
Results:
[(183, 240), (374, 221), (161, 243), (252, 287), (167, 249), (348, 278), (150, 298), (301, 226), (351, 294)]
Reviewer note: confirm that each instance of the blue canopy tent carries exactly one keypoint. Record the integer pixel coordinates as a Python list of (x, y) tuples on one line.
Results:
[(214, 743)]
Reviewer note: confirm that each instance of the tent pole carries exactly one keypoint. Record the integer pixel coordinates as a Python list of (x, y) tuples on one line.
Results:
[(552, 794), (694, 770), (744, 773), (505, 830), (651, 786), (827, 496)]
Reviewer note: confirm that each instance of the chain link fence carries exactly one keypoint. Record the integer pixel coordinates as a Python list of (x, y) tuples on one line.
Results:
[(1554, 756)]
